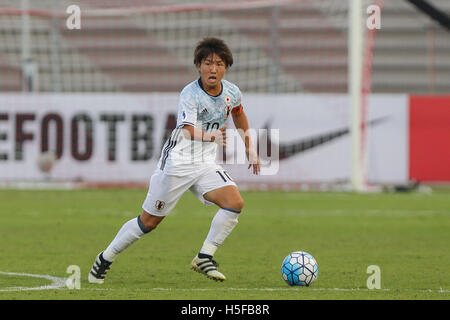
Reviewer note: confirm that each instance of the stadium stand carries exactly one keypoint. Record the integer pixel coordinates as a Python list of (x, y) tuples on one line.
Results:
[(301, 47)]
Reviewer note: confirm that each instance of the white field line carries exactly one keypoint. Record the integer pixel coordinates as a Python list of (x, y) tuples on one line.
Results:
[(365, 212), (57, 283), (274, 289)]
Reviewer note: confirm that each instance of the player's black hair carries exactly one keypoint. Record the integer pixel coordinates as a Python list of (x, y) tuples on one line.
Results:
[(211, 45)]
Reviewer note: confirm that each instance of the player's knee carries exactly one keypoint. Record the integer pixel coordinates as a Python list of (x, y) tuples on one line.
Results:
[(240, 204), (149, 221), (150, 225), (237, 204)]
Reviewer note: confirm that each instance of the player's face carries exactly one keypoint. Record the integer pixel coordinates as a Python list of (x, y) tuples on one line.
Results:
[(212, 69)]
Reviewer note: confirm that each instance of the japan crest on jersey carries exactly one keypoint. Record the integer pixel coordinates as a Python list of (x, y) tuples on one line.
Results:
[(227, 106)]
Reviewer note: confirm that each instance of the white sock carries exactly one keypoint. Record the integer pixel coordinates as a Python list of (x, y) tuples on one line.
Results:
[(130, 232), (221, 226)]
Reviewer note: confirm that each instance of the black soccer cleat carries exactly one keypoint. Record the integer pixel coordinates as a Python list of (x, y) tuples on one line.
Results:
[(208, 267), (99, 269)]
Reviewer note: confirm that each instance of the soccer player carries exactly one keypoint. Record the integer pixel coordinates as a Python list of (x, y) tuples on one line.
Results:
[(188, 162)]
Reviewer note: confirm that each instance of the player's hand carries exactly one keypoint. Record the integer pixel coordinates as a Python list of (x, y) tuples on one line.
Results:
[(256, 167), (254, 162), (220, 136)]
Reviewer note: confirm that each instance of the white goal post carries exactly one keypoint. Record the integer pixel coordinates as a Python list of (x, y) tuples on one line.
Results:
[(355, 68), (360, 56)]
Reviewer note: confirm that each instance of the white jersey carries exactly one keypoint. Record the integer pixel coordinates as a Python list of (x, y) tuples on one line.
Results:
[(182, 156)]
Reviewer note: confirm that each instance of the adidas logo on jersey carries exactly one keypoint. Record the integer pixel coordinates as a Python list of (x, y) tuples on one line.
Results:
[(204, 111)]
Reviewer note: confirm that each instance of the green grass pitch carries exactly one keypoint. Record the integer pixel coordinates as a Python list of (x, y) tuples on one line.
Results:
[(405, 234)]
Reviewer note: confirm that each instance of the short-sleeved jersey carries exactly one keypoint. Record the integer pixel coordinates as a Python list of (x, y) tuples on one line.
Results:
[(182, 156)]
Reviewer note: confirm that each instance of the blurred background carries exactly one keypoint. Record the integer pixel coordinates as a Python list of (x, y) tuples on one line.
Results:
[(93, 103)]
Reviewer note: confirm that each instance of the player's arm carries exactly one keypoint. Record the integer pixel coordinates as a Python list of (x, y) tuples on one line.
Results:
[(241, 123), (217, 136), (189, 109)]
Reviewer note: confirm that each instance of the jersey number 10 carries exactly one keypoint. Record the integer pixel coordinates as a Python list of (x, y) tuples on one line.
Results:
[(213, 126)]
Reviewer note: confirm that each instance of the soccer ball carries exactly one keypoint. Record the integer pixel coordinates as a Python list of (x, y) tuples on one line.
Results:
[(299, 268)]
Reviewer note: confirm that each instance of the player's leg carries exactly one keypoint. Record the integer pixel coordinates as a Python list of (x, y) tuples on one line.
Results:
[(150, 221), (129, 233), (217, 188), (230, 204), (164, 192), (226, 197)]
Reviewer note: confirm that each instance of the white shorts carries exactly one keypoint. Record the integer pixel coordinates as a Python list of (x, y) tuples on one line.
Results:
[(165, 190)]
